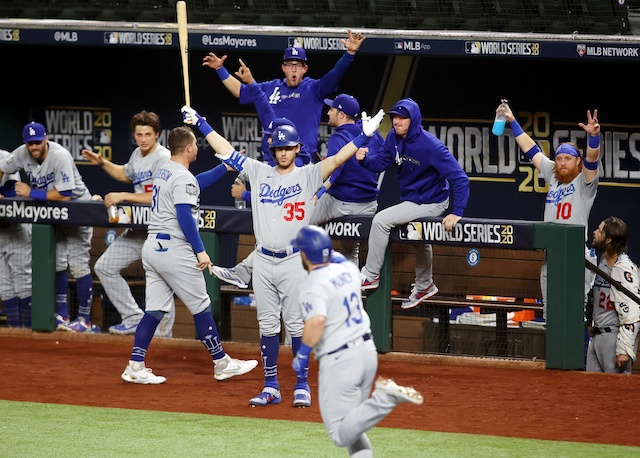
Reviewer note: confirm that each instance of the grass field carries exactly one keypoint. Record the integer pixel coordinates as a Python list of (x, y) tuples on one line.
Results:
[(53, 430)]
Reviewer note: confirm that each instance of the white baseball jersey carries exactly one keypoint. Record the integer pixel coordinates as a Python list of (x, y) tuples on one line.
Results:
[(57, 171), (627, 309), (141, 169), (15, 176), (334, 292), (568, 203), (173, 184), (282, 204)]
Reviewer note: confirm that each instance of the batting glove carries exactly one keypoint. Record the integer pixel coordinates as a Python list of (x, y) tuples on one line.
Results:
[(191, 116), (370, 125), (235, 160), (301, 365)]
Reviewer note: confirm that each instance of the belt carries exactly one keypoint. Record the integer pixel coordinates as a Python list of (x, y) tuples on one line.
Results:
[(603, 330), (278, 254), (359, 340), (160, 236)]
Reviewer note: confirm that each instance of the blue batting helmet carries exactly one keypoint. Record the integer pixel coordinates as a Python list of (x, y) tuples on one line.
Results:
[(315, 243), (284, 136)]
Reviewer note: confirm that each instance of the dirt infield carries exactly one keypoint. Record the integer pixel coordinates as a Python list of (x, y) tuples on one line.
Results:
[(517, 400)]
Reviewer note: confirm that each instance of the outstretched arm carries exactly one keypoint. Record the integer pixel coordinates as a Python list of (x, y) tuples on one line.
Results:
[(217, 63), (590, 162), (114, 170), (524, 141)]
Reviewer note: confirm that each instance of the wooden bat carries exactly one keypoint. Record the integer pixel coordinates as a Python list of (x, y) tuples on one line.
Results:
[(183, 38)]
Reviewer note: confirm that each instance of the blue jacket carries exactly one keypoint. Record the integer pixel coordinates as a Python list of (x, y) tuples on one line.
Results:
[(426, 166)]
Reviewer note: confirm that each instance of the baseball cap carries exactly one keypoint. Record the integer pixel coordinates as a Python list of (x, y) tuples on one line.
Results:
[(400, 110), (33, 132), (277, 122), (345, 103), (295, 54)]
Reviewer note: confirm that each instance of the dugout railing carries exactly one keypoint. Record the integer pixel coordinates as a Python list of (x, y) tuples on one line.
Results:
[(564, 246)]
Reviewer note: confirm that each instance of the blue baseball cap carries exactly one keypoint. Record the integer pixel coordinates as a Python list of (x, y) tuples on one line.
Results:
[(400, 110), (345, 103), (275, 123), (33, 132), (294, 54)]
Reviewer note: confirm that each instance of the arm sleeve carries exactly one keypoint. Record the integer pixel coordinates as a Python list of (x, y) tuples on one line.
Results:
[(261, 102), (188, 226), (206, 179), (8, 189), (379, 161), (329, 82)]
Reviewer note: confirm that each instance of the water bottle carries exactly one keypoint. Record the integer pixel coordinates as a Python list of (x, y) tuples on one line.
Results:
[(113, 214), (500, 121), (240, 203)]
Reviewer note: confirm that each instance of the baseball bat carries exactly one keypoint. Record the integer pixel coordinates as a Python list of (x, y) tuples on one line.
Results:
[(183, 38)]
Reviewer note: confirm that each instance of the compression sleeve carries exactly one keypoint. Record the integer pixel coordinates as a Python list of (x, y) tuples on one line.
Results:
[(206, 179), (188, 226)]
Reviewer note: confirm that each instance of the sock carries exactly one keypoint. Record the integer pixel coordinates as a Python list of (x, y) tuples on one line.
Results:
[(295, 346), (84, 288), (208, 333), (269, 348), (10, 307), (62, 282), (144, 334), (25, 311)]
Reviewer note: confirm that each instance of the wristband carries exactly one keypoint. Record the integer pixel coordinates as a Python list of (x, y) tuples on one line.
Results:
[(321, 191), (222, 73), (590, 165), (594, 142), (535, 149), (38, 194), (204, 126), (361, 140), (246, 195), (515, 127), (304, 349)]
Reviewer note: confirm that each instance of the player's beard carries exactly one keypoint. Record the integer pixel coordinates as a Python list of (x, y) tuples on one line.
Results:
[(566, 176)]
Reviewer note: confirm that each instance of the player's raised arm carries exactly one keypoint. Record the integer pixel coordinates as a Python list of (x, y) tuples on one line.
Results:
[(114, 170), (590, 161), (217, 63), (369, 127), (529, 147)]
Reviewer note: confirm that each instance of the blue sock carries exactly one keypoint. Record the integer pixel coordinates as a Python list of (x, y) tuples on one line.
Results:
[(269, 348), (144, 334), (208, 333), (12, 312), (84, 288), (25, 311), (62, 283), (295, 346)]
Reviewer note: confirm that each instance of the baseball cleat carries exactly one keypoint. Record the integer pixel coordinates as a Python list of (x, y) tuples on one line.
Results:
[(369, 283), (61, 323), (418, 296), (228, 367), (400, 393), (229, 275), (123, 329), (136, 372), (81, 325), (302, 397), (269, 395)]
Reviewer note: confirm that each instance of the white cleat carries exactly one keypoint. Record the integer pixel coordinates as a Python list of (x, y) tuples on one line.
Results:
[(229, 275), (136, 372), (228, 367), (400, 393)]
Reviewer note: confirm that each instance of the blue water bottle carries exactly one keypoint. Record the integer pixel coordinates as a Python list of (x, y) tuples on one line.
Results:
[(500, 121)]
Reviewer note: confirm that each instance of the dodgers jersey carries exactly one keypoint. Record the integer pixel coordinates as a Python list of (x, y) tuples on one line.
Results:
[(568, 203), (173, 184), (607, 300), (57, 171), (7, 176), (282, 204), (333, 291), (141, 169)]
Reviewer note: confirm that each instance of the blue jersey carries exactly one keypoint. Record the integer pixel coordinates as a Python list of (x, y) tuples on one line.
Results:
[(426, 166), (351, 182), (304, 103)]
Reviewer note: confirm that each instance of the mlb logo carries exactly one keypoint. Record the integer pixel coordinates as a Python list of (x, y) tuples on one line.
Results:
[(111, 37), (411, 231), (472, 47), (581, 50), (295, 42), (399, 45)]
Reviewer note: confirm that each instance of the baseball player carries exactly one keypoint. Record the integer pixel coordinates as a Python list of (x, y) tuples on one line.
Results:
[(616, 317), (174, 257), (572, 179), (338, 329), (295, 97), (15, 261), (142, 166), (282, 198), (54, 176), (351, 189), (426, 170)]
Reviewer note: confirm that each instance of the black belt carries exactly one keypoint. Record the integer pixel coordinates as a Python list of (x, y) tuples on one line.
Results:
[(603, 330), (364, 338), (277, 254)]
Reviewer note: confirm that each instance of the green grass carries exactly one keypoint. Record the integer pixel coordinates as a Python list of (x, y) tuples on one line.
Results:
[(52, 430)]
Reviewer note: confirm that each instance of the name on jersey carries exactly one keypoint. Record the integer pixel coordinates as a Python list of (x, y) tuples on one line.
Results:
[(33, 213), (278, 195), (485, 233), (163, 174), (556, 196), (341, 280)]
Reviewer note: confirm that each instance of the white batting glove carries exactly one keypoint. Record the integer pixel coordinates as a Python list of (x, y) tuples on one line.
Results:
[(371, 125), (191, 116)]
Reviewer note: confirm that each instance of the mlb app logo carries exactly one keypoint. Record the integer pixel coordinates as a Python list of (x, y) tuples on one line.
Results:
[(581, 50), (472, 47), (399, 45)]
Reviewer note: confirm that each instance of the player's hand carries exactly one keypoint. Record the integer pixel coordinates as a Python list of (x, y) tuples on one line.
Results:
[(449, 221), (361, 153), (22, 189), (300, 364), (592, 127), (191, 116), (371, 125), (204, 262), (244, 73), (505, 110), (113, 198), (353, 42), (237, 188), (92, 157), (235, 160), (213, 61), (621, 360)]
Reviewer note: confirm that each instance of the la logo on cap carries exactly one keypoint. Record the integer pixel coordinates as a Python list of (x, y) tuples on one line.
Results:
[(294, 52), (281, 135), (32, 132)]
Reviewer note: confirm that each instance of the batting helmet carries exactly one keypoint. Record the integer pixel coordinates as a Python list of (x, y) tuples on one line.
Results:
[(284, 136), (315, 243)]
